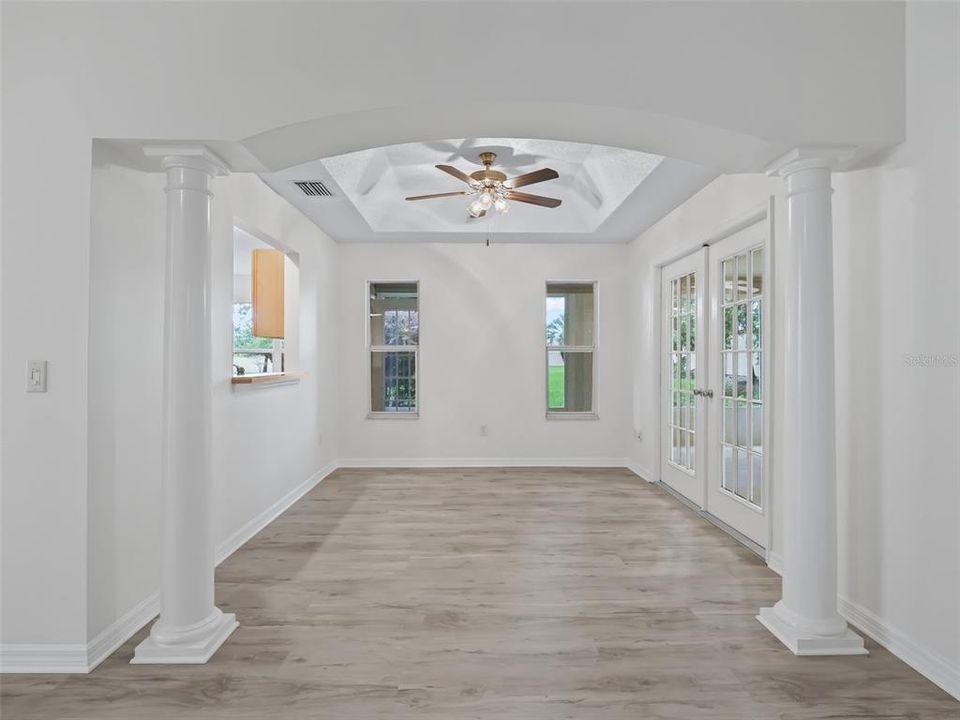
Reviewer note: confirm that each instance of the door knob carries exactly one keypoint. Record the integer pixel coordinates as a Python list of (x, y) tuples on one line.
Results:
[(703, 393)]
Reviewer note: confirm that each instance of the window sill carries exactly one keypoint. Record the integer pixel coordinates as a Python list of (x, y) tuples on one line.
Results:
[(393, 416), (572, 416), (281, 378)]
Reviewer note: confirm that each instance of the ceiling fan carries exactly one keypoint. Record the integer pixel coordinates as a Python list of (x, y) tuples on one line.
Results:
[(492, 189)]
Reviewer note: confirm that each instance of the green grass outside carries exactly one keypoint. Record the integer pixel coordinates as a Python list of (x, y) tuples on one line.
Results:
[(555, 386)]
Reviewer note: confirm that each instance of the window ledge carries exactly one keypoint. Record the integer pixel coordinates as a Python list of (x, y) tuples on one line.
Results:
[(281, 378), (393, 416), (572, 416)]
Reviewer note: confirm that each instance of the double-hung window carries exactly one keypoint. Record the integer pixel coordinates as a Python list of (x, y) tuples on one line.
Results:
[(394, 338), (571, 349)]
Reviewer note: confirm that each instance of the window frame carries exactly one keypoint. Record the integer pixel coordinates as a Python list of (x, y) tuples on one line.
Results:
[(593, 413), (285, 352), (371, 348)]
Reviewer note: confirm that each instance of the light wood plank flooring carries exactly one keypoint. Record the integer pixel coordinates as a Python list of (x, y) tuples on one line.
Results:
[(485, 593)]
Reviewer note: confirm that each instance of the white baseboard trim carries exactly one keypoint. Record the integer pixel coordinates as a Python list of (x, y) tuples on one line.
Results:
[(933, 667), (43, 658), (640, 471), (775, 562), (481, 462), (104, 644), (246, 531), (79, 658)]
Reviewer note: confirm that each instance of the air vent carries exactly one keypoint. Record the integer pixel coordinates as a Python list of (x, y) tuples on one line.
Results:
[(314, 188)]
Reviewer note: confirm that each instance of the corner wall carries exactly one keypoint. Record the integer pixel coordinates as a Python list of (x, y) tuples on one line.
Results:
[(896, 263), (482, 355), (269, 442)]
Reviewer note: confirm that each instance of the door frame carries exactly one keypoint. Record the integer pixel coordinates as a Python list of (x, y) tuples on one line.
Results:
[(764, 213)]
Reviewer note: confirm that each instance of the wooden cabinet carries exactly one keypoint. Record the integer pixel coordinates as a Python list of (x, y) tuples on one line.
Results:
[(267, 293)]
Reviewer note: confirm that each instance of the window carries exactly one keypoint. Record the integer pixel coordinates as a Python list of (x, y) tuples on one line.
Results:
[(741, 440), (265, 305), (571, 347), (393, 343)]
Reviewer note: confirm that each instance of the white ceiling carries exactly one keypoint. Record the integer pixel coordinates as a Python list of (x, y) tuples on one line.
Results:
[(608, 194)]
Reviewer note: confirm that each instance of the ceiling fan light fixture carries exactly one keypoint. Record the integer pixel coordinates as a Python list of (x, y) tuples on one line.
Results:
[(475, 209), (501, 205), (485, 200)]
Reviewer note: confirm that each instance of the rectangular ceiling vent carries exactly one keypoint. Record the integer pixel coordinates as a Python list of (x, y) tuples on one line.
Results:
[(314, 188)]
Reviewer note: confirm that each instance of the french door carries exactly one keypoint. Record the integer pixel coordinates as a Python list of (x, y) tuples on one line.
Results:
[(714, 380), (683, 454), (737, 476)]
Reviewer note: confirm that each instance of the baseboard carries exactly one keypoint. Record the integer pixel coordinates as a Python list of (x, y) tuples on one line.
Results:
[(482, 462), (933, 667), (243, 534), (640, 471), (775, 562), (79, 658), (43, 658)]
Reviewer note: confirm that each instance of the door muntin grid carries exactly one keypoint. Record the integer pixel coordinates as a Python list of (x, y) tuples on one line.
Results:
[(741, 355), (682, 319)]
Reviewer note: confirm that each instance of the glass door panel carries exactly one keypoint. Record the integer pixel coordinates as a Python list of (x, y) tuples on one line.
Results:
[(682, 302)]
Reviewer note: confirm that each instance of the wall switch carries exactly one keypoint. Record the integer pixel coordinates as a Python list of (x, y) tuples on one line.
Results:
[(483, 431), (36, 376)]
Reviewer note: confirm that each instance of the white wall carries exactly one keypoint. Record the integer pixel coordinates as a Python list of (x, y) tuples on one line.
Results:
[(897, 256), (482, 345), (267, 440), (72, 72), (898, 300)]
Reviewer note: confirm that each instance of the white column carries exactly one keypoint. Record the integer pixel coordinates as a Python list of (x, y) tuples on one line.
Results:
[(806, 618), (190, 627)]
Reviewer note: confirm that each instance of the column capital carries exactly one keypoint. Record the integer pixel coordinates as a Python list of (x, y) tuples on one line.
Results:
[(188, 155), (807, 157)]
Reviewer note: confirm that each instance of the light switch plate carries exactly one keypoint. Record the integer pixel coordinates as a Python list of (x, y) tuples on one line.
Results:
[(36, 376)]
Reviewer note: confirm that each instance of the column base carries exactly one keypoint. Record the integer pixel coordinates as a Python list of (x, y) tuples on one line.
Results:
[(196, 648), (799, 642)]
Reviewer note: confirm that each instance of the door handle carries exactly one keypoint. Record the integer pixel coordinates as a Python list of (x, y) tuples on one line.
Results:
[(703, 393)]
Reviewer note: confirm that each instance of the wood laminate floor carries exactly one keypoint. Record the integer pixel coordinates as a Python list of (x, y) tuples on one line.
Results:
[(490, 593)]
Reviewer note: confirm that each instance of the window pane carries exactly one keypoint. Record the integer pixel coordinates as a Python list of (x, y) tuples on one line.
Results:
[(570, 311), (729, 468), (729, 422), (570, 381), (755, 321), (743, 474), (742, 371), (394, 314), (756, 483), (742, 440), (756, 379), (757, 427), (757, 271), (729, 373), (742, 326), (728, 273), (393, 382), (728, 328), (741, 276)]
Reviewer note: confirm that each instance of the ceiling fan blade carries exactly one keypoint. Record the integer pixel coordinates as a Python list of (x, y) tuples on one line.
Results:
[(532, 177), (533, 199), (451, 170), (436, 195)]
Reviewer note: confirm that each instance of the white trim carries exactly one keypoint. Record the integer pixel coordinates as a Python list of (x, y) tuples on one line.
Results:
[(43, 658), (498, 462), (929, 664), (118, 632), (933, 667), (79, 658), (250, 528), (640, 472)]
